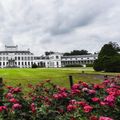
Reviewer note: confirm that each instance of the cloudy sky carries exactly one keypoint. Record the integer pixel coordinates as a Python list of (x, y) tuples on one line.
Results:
[(59, 25)]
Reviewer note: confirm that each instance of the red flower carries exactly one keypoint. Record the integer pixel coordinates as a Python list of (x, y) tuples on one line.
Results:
[(13, 100), (71, 107), (84, 84), (82, 103), (97, 86), (17, 89), (3, 108), (95, 99), (93, 118), (87, 108)]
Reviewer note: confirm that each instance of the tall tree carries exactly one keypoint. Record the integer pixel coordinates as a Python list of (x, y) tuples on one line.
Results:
[(108, 58), (109, 49)]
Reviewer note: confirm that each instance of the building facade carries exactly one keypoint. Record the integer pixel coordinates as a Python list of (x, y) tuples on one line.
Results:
[(12, 57)]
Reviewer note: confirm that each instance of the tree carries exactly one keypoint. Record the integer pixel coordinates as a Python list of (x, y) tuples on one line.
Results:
[(108, 58), (49, 52), (77, 52), (109, 49)]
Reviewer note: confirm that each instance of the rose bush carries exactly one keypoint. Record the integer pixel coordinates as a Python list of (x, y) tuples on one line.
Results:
[(47, 101)]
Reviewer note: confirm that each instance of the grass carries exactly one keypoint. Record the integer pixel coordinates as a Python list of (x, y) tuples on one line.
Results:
[(57, 75)]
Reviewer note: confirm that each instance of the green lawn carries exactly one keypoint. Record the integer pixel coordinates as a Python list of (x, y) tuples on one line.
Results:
[(59, 76)]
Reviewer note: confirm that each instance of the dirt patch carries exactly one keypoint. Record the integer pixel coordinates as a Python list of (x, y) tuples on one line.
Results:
[(96, 76)]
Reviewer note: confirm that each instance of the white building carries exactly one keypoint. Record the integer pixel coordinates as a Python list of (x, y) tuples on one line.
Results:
[(13, 57)]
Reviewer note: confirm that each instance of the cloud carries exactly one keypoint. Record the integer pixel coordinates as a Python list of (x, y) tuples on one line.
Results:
[(61, 25)]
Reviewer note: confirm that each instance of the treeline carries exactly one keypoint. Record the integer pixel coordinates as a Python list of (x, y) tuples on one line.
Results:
[(74, 52)]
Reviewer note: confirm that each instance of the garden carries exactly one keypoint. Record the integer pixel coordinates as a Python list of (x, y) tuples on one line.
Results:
[(48, 101)]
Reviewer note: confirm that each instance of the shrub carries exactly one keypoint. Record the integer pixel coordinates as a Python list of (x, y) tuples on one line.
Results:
[(74, 65), (89, 65), (97, 66), (112, 64), (48, 101), (34, 65)]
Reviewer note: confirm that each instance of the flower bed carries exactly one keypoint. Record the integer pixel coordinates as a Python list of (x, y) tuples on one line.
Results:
[(47, 101)]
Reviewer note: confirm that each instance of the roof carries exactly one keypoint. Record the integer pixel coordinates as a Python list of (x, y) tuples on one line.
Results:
[(81, 56), (15, 51)]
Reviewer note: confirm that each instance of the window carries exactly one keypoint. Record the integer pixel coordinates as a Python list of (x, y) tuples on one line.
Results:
[(57, 57), (18, 58)]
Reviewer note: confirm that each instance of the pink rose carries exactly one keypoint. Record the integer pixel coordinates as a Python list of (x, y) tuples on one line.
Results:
[(105, 118), (13, 100), (9, 95), (16, 106), (95, 99), (76, 86), (33, 107), (92, 91), (102, 103), (71, 107), (87, 108)]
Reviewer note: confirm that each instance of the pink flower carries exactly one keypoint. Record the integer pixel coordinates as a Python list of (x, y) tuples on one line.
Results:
[(62, 89), (85, 89), (76, 86), (95, 99), (102, 103), (33, 107), (56, 96), (71, 107), (3, 108), (82, 103), (75, 91), (72, 102), (16, 106), (87, 108), (13, 100), (60, 95), (105, 118), (110, 98), (9, 95), (98, 86), (64, 94), (92, 91), (84, 84)]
